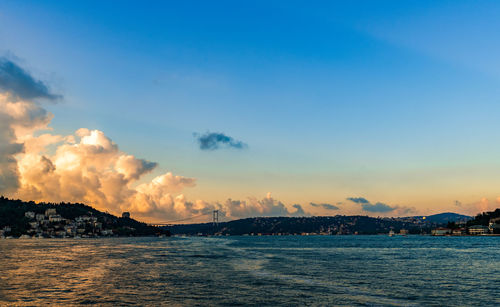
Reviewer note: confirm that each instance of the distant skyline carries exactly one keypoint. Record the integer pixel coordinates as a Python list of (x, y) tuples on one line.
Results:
[(174, 109)]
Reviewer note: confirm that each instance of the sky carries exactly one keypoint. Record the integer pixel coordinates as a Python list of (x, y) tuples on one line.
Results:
[(171, 109)]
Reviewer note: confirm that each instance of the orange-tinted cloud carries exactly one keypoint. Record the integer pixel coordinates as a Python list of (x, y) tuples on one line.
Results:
[(89, 167)]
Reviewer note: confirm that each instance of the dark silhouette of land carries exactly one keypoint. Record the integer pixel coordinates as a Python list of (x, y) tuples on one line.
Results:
[(66, 219), (339, 224), (74, 219)]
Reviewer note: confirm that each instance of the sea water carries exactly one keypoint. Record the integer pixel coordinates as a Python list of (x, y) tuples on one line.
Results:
[(260, 271)]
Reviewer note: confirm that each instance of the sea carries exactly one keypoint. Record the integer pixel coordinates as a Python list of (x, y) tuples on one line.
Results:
[(252, 271)]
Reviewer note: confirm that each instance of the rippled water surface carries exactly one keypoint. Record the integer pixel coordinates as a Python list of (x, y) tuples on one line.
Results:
[(294, 270)]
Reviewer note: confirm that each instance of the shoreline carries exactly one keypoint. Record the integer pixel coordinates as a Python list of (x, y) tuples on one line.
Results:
[(244, 235)]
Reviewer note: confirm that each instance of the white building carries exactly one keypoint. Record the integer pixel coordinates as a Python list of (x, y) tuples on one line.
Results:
[(50, 211), (478, 230), (107, 232), (441, 231), (55, 218), (29, 214), (69, 229), (83, 218)]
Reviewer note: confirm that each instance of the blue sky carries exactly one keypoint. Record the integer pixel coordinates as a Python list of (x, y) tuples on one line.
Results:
[(396, 101)]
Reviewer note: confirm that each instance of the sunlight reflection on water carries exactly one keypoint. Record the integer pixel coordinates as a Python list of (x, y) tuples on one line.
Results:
[(329, 270)]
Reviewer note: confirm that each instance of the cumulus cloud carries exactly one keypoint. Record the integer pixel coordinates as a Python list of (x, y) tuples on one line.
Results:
[(87, 166), (133, 168), (20, 84), (482, 205), (325, 206), (17, 120), (267, 206), (213, 141)]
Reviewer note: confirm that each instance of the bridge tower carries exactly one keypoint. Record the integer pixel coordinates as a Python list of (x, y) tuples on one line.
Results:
[(215, 216)]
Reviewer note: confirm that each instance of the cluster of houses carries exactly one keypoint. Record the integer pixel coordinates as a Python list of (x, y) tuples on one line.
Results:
[(492, 228), (53, 225), (5, 231)]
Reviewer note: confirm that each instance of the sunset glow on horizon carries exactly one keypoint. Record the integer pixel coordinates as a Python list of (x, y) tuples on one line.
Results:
[(173, 110)]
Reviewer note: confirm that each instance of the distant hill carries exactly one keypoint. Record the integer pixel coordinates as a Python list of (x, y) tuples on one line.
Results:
[(12, 215), (444, 218), (339, 224)]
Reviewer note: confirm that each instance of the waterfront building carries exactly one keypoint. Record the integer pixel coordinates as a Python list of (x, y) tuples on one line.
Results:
[(458, 231), (441, 231), (478, 230), (107, 232)]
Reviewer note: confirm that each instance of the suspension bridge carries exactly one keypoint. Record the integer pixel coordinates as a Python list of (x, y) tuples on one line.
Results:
[(214, 213)]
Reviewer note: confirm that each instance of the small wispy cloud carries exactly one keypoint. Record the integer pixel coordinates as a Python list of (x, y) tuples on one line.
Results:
[(19, 83), (325, 206), (376, 207), (299, 211), (217, 140), (358, 200)]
